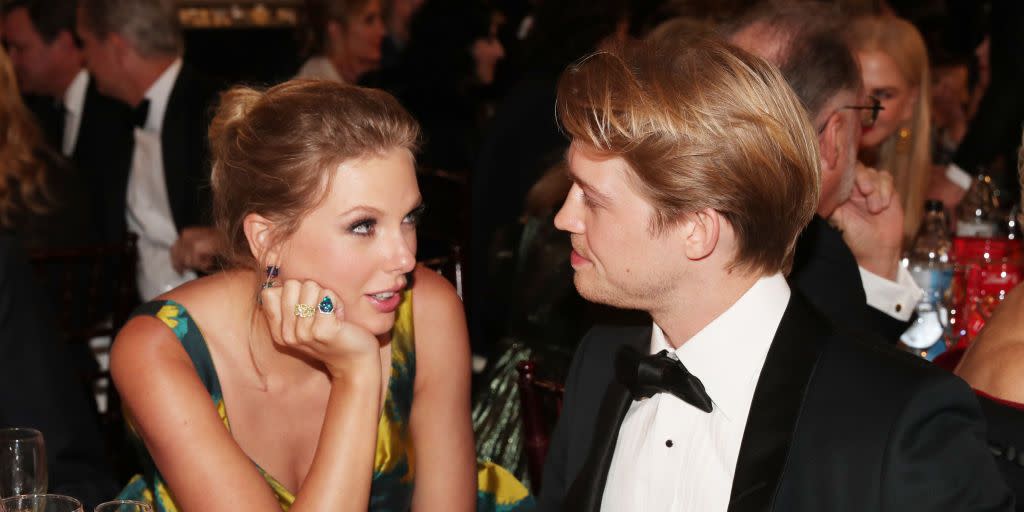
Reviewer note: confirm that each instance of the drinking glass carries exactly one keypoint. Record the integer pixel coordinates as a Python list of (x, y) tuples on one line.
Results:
[(22, 462), (40, 503), (124, 506)]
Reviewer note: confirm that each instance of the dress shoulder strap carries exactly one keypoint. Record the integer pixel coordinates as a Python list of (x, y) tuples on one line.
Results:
[(177, 319)]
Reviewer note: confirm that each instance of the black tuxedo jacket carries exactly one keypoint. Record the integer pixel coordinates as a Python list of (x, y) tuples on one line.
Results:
[(826, 272), (836, 424), (186, 154), (38, 387), (103, 157)]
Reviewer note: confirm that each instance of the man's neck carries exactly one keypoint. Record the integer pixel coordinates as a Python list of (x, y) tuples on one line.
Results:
[(145, 74), (699, 303), (63, 82)]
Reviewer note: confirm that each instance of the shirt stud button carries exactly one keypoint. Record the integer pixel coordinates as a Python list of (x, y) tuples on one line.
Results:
[(899, 307), (668, 442)]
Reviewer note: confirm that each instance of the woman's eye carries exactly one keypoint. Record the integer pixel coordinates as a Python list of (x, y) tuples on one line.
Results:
[(363, 227), (414, 216)]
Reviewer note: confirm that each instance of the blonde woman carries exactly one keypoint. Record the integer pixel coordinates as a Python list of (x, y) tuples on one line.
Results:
[(894, 65), (347, 37)]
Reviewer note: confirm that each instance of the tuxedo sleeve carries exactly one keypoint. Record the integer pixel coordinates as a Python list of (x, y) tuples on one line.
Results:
[(557, 479), (938, 458)]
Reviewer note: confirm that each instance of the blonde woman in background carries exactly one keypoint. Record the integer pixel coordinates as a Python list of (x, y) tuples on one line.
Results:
[(346, 39), (894, 65)]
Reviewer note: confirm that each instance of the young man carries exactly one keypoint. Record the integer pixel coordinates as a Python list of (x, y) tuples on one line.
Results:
[(694, 169)]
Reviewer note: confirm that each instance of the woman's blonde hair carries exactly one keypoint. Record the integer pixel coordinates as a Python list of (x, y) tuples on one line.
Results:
[(702, 124), (22, 171), (274, 151), (909, 160)]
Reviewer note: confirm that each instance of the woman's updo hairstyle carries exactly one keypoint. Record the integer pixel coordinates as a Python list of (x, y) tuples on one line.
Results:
[(274, 151)]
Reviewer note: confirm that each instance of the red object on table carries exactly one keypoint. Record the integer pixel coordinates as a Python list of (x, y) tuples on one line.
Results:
[(986, 270)]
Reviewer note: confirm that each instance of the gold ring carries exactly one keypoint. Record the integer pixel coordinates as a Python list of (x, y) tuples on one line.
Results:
[(304, 310)]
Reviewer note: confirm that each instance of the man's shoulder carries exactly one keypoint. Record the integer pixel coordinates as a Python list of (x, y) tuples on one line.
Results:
[(194, 88), (603, 341), (867, 352), (859, 375)]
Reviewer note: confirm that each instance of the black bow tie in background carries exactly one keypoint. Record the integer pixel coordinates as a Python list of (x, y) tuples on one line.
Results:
[(646, 375), (141, 113)]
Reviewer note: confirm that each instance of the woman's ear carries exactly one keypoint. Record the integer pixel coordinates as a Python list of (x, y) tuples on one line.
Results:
[(259, 233)]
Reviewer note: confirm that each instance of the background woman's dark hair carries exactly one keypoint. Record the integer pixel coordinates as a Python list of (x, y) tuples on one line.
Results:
[(274, 151)]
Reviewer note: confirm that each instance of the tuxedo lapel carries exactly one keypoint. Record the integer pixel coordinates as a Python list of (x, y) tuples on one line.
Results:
[(586, 491), (776, 406), (174, 146)]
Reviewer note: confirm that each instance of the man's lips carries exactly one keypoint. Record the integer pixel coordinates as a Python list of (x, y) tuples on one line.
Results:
[(576, 259)]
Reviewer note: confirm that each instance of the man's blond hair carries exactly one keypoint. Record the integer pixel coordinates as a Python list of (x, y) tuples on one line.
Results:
[(702, 124)]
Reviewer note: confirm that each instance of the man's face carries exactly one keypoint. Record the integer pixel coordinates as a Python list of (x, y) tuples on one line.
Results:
[(34, 59), (99, 58), (617, 257)]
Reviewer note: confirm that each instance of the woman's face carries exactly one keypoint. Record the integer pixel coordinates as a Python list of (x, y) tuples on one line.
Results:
[(361, 241), (487, 52), (359, 41), (883, 80)]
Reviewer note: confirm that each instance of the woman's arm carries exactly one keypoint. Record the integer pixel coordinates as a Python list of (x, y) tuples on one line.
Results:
[(202, 464), (442, 433)]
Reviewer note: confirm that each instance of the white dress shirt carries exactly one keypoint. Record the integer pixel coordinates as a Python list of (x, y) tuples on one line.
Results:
[(320, 68), (671, 455), (898, 298), (74, 105), (149, 209)]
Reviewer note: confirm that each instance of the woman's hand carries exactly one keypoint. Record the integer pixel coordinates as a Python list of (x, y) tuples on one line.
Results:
[(320, 331)]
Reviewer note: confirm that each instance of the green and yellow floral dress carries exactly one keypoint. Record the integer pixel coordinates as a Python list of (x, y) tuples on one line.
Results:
[(393, 476)]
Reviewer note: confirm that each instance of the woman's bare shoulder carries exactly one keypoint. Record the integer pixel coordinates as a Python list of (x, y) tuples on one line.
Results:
[(995, 361)]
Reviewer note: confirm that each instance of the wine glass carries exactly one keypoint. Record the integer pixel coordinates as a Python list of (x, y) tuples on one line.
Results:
[(40, 503), (124, 506), (22, 462)]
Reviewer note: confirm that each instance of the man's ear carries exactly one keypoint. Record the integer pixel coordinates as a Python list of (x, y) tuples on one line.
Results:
[(829, 141), (65, 41), (259, 232), (701, 230)]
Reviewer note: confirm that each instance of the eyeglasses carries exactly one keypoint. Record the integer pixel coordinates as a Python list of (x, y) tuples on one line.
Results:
[(868, 113)]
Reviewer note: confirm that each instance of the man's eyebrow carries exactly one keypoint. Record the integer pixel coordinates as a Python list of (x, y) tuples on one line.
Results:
[(595, 194)]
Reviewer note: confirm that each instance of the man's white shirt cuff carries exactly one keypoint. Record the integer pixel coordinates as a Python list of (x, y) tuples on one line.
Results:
[(895, 298), (959, 176)]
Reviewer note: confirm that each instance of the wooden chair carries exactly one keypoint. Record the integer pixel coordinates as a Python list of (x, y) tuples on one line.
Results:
[(92, 290), (449, 266), (541, 403)]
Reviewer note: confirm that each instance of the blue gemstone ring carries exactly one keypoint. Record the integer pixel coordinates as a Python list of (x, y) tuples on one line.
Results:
[(326, 306)]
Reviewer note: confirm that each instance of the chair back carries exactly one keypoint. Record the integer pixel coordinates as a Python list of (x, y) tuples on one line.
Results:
[(91, 290), (449, 266), (541, 403)]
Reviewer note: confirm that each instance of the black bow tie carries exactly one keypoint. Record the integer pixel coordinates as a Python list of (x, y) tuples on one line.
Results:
[(141, 113), (646, 375)]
